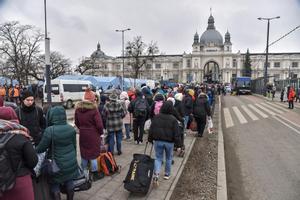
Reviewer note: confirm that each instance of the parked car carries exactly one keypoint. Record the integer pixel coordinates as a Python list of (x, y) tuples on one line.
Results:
[(228, 88)]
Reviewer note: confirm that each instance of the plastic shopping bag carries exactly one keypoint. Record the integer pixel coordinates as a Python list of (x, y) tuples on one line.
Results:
[(210, 125)]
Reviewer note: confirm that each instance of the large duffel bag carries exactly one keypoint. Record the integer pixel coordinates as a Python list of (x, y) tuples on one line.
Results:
[(139, 176)]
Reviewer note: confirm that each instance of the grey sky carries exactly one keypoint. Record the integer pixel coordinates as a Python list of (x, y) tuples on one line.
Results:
[(75, 26)]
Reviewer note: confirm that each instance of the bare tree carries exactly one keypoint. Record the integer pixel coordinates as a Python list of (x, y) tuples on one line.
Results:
[(20, 44), (59, 66), (85, 66), (138, 53)]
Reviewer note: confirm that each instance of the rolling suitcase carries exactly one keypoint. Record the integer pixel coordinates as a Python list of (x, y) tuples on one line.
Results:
[(139, 176)]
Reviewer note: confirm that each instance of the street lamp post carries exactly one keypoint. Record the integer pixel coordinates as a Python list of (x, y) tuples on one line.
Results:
[(267, 51), (123, 30), (47, 59)]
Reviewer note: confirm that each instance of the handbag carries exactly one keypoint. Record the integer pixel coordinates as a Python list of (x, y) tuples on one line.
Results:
[(193, 125), (81, 183), (49, 166)]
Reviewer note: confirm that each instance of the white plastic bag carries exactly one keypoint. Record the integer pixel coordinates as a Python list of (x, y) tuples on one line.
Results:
[(147, 125), (210, 125)]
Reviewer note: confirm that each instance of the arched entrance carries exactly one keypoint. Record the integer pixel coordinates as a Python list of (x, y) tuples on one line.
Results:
[(211, 72)]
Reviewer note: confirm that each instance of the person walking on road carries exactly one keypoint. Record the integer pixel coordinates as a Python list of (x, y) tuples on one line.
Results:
[(31, 116), (63, 138), (88, 121), (200, 112), (124, 98), (164, 132), (291, 97)]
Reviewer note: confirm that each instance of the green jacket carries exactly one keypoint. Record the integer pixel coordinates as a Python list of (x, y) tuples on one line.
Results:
[(64, 137)]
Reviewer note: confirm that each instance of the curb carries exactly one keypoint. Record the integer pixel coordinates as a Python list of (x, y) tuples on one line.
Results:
[(221, 178), (178, 175)]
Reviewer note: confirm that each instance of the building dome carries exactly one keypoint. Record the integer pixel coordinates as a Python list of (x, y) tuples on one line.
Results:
[(98, 53), (211, 35)]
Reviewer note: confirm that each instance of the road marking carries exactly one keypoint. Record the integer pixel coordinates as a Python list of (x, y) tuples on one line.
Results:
[(286, 124), (249, 113), (228, 118), (258, 111), (277, 106), (239, 115), (272, 108), (282, 104), (265, 109), (289, 121)]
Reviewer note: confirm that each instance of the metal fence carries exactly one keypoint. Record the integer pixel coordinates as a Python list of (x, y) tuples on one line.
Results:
[(257, 85)]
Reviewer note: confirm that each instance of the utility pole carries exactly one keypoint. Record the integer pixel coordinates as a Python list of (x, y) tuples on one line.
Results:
[(267, 52), (47, 59), (123, 30)]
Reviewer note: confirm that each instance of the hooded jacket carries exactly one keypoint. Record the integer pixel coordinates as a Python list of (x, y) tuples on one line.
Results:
[(63, 137), (164, 126), (201, 106), (89, 122)]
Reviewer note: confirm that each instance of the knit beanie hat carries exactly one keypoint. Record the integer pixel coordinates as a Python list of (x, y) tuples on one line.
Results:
[(89, 95), (25, 94), (8, 113)]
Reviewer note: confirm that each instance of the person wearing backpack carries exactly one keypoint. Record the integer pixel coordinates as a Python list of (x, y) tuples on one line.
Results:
[(140, 110), (18, 158), (62, 137), (31, 116)]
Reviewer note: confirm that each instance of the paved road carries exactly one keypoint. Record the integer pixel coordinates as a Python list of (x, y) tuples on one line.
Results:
[(262, 148)]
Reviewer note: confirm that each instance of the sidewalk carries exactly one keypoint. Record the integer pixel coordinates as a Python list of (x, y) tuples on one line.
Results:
[(112, 187)]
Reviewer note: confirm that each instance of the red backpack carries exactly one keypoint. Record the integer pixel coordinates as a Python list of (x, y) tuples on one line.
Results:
[(107, 163)]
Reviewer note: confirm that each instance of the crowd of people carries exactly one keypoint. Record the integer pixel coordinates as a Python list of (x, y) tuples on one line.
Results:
[(35, 130)]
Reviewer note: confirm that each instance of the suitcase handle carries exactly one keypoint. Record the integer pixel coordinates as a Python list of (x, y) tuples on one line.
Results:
[(150, 149)]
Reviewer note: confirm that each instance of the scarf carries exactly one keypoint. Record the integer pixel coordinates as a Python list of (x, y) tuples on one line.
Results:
[(13, 128)]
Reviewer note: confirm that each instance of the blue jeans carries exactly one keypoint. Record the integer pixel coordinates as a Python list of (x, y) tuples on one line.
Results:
[(111, 140), (93, 163), (160, 147), (127, 129), (186, 120), (68, 184)]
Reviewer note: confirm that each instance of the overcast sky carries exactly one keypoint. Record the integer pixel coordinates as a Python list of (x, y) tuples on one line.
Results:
[(75, 26)]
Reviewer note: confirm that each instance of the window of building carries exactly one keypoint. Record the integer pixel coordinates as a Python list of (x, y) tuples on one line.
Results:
[(268, 64), (157, 66), (294, 64), (118, 67), (148, 66), (234, 64), (277, 64), (175, 65), (188, 63)]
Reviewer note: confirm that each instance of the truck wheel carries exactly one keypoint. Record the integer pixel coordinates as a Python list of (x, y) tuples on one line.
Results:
[(69, 104)]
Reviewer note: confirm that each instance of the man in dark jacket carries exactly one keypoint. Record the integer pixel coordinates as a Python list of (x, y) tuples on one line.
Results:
[(164, 131), (140, 109), (31, 116), (201, 111)]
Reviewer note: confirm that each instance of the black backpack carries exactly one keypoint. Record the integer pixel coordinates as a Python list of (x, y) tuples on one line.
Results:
[(7, 174), (140, 108)]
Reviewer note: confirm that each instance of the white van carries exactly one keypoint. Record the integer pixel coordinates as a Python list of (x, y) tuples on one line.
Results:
[(67, 92)]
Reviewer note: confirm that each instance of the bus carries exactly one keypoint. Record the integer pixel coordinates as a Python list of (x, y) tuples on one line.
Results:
[(242, 85)]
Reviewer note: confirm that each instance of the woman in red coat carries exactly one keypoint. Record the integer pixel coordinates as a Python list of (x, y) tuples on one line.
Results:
[(89, 123), (291, 97)]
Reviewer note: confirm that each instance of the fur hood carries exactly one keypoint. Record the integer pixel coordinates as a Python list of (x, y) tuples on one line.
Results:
[(85, 105)]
